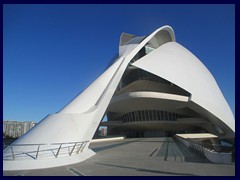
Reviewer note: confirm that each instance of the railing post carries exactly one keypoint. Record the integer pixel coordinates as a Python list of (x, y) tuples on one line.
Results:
[(84, 145), (37, 151), (13, 153), (68, 145), (58, 151), (72, 149), (80, 147)]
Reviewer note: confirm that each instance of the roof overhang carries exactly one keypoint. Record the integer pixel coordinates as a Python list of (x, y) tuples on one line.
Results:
[(197, 136)]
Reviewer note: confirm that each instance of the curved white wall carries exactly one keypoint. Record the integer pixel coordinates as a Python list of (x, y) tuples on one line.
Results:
[(176, 64)]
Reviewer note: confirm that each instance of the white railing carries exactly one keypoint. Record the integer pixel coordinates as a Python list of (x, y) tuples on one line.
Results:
[(33, 151)]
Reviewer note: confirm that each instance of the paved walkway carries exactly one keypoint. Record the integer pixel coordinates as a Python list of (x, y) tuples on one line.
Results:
[(137, 157)]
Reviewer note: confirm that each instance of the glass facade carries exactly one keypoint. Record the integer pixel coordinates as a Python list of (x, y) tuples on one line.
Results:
[(143, 52), (139, 74), (150, 115)]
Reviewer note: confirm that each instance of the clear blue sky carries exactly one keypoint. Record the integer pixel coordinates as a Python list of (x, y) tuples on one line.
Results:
[(52, 52)]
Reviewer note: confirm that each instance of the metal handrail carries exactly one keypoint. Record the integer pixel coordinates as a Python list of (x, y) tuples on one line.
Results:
[(13, 155), (213, 147)]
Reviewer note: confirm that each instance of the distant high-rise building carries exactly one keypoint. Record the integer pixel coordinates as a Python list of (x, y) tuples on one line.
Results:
[(104, 131), (16, 129)]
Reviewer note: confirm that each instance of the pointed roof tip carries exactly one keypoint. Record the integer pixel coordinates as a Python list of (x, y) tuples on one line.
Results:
[(169, 29), (125, 37)]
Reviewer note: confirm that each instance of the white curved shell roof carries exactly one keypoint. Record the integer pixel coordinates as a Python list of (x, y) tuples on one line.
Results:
[(176, 64)]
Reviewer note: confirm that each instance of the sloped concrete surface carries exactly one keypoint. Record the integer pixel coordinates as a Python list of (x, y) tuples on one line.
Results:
[(137, 157)]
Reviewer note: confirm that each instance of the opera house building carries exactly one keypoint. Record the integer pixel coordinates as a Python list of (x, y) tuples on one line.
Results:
[(154, 87), (166, 90)]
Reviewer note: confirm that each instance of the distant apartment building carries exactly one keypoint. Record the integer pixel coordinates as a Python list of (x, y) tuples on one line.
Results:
[(16, 129)]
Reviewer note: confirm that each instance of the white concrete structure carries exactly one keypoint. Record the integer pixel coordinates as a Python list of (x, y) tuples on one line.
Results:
[(211, 155), (63, 138)]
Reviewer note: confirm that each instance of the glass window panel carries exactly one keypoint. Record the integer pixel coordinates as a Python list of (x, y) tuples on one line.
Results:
[(166, 116)]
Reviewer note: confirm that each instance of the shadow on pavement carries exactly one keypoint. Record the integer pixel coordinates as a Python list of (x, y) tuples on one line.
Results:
[(98, 149), (148, 170)]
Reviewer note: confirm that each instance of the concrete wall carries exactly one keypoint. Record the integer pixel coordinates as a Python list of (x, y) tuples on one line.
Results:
[(217, 157)]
